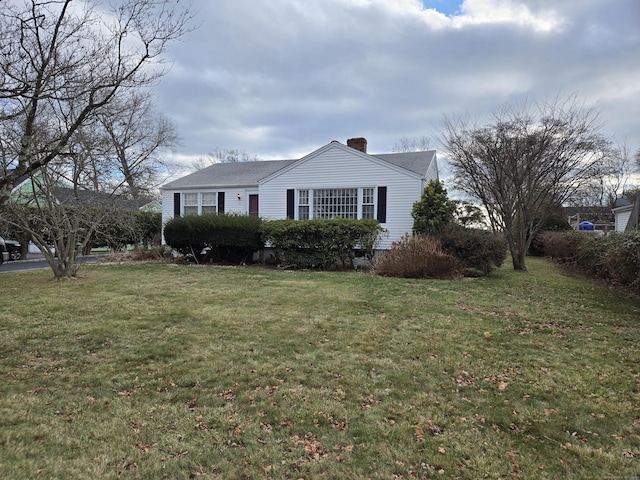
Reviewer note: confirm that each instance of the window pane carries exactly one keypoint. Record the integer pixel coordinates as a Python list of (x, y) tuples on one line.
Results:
[(335, 202), (367, 211), (206, 209), (190, 210), (209, 199), (191, 199)]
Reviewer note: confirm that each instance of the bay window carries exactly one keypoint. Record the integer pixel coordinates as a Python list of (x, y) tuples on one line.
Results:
[(326, 203)]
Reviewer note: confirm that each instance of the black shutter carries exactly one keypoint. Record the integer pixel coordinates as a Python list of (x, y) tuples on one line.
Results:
[(176, 204), (220, 202), (382, 205), (291, 203)]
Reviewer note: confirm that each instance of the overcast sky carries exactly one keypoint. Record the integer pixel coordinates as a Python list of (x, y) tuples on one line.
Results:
[(280, 78)]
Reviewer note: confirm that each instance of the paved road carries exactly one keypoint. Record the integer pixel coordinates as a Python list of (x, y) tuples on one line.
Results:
[(37, 261)]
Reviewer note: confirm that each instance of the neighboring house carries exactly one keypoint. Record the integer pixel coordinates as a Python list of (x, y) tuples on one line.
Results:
[(334, 181), (26, 192), (600, 217), (626, 216)]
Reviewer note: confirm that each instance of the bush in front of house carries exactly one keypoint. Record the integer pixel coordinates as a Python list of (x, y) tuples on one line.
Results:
[(481, 251), (322, 244), (417, 256), (213, 237), (614, 257)]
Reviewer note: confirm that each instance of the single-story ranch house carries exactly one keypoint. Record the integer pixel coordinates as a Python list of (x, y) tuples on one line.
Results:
[(336, 180)]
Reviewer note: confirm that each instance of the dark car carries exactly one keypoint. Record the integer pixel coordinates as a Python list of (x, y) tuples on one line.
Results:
[(13, 248), (4, 253), (10, 250)]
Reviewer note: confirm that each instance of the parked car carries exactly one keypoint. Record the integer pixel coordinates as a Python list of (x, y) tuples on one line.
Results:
[(13, 248), (4, 253)]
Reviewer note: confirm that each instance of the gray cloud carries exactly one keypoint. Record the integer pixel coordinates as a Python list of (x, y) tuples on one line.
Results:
[(280, 78)]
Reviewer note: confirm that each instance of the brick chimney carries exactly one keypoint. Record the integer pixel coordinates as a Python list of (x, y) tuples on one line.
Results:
[(359, 143)]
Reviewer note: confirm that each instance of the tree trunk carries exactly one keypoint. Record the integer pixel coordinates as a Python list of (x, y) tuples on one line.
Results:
[(518, 257)]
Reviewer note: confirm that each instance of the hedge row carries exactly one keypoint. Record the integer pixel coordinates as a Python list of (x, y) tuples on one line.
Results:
[(320, 244), (614, 257), (215, 238)]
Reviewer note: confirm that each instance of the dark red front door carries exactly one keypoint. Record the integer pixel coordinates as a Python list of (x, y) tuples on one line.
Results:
[(253, 205)]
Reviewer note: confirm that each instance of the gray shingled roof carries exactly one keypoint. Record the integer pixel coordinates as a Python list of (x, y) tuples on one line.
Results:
[(417, 162), (250, 173), (230, 174)]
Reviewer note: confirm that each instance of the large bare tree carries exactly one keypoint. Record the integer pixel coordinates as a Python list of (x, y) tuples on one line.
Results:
[(524, 161), (125, 152), (62, 62)]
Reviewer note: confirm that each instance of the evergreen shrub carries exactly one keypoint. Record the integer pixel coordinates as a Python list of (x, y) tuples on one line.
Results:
[(322, 244), (214, 237)]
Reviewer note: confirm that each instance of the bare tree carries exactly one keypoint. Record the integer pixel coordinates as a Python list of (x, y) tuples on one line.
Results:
[(55, 219), (232, 155), (523, 162), (413, 144), (136, 137), (62, 62), (611, 178)]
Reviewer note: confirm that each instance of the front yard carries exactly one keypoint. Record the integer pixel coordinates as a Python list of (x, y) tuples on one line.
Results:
[(163, 371)]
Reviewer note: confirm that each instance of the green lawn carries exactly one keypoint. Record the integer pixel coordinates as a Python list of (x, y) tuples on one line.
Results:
[(162, 371)]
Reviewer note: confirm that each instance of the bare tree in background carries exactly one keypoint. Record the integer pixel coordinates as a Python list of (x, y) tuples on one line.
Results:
[(612, 176), (136, 137), (62, 62), (232, 155), (414, 144), (523, 162)]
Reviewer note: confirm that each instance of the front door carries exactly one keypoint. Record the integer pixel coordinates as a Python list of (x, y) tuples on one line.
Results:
[(253, 205)]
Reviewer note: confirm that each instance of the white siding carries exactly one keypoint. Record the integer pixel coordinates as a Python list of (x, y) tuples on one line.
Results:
[(622, 218), (167, 208), (337, 168)]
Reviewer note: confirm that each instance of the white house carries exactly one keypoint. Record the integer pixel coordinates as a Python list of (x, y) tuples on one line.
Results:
[(627, 216), (336, 180)]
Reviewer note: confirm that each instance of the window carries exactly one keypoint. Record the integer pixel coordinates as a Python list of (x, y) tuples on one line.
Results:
[(199, 203), (368, 203), (325, 203), (335, 202), (209, 202), (303, 204), (190, 203)]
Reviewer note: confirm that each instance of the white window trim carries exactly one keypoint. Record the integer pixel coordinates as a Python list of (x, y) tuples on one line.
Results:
[(310, 200)]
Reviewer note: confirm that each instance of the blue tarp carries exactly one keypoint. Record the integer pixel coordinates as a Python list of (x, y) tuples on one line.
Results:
[(586, 226)]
